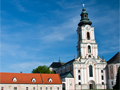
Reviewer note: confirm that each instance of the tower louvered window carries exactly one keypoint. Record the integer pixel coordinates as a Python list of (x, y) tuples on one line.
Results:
[(79, 77), (88, 36), (89, 49), (102, 77)]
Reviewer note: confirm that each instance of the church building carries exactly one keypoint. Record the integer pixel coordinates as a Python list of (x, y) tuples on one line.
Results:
[(87, 70)]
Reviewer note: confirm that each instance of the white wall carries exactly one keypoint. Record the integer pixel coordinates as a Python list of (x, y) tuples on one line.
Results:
[(30, 86)]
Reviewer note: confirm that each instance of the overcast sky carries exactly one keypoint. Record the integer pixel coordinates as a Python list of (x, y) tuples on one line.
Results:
[(38, 32)]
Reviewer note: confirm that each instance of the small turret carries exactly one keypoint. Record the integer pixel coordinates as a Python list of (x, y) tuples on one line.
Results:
[(59, 59)]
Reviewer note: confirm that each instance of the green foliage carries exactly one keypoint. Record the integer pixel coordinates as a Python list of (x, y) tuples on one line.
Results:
[(117, 86), (42, 69)]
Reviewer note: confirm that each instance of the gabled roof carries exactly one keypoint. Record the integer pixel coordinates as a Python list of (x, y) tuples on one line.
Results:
[(66, 75), (26, 78), (56, 64), (114, 59), (69, 62)]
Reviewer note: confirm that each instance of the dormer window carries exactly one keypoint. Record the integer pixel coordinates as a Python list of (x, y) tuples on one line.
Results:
[(14, 79), (33, 80), (50, 80)]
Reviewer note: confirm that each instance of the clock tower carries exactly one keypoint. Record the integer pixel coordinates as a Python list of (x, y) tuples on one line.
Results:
[(86, 46)]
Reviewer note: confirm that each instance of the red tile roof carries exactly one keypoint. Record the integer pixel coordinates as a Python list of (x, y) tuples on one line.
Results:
[(55, 78), (26, 78)]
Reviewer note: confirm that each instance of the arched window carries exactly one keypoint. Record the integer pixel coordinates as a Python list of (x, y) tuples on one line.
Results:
[(79, 77), (89, 49), (79, 83), (88, 36), (78, 71), (90, 71), (70, 83), (89, 56), (101, 71), (85, 15)]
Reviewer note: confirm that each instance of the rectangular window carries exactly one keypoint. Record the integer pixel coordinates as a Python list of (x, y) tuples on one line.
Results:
[(102, 77), (33, 88), (111, 67), (79, 77), (2, 88), (15, 88), (112, 82), (102, 83), (111, 75), (70, 83), (57, 88), (50, 88), (40, 88), (46, 88), (26, 88)]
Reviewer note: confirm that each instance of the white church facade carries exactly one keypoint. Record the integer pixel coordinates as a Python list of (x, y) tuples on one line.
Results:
[(87, 70)]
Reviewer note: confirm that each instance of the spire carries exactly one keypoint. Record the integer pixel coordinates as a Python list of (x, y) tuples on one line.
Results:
[(59, 59), (84, 18)]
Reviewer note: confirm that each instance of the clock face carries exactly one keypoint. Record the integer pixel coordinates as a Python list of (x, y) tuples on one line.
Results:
[(87, 27)]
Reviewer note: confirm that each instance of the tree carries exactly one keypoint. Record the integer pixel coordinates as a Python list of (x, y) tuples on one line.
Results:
[(42, 69), (117, 85)]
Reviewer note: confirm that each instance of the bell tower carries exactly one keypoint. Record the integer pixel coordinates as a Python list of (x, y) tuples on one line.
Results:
[(86, 46)]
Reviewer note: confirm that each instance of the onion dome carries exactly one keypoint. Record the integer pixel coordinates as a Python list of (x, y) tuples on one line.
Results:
[(84, 18)]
